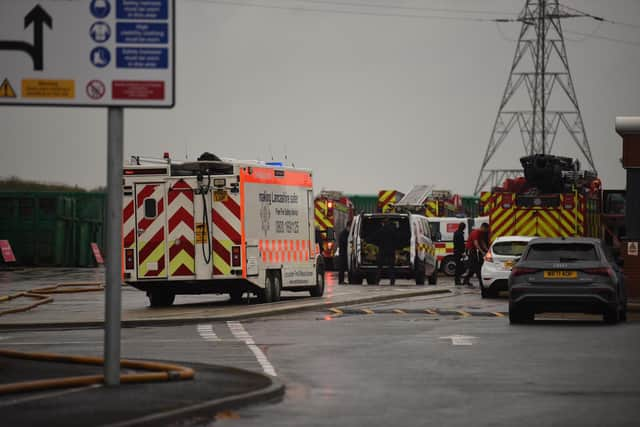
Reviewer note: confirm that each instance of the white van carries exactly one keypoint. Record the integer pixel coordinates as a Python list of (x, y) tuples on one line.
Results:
[(415, 254)]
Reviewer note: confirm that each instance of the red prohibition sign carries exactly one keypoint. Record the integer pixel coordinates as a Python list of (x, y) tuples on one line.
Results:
[(95, 89)]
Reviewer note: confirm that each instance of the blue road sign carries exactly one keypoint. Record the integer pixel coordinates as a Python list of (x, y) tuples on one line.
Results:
[(142, 33), (100, 8), (135, 57), (100, 57), (100, 32), (142, 9)]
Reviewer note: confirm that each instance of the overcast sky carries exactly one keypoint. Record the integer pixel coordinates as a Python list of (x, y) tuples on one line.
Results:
[(367, 102)]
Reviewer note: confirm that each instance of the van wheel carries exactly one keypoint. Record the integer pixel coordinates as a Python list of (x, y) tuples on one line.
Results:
[(318, 289), (373, 279), (419, 268), (236, 296), (611, 316), (355, 278), (449, 266), (161, 298), (277, 286), (266, 295)]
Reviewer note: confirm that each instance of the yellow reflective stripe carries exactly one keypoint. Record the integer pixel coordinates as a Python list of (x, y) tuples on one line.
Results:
[(153, 257), (220, 263), (181, 258)]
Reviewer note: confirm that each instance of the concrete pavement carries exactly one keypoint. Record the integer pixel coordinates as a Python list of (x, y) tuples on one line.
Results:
[(403, 369)]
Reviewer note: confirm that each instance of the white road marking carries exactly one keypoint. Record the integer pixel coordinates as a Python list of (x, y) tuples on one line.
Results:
[(460, 339), (206, 332), (240, 333)]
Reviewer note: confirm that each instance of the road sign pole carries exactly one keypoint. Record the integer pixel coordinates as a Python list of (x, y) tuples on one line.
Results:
[(113, 286)]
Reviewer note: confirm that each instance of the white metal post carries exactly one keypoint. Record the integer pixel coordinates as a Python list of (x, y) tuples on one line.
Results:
[(113, 277)]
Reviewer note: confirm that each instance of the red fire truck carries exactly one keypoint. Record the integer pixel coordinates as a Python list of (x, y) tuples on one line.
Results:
[(333, 210)]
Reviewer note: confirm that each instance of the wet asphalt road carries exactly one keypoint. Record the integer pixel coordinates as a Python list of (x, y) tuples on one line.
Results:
[(404, 364)]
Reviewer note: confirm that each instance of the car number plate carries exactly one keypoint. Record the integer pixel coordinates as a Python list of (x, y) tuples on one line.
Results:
[(560, 274), (508, 265)]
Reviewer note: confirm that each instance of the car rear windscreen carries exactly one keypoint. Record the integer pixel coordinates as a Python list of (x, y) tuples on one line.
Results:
[(509, 248), (565, 252)]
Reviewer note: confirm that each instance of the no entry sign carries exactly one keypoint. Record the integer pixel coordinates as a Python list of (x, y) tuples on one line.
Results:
[(87, 52)]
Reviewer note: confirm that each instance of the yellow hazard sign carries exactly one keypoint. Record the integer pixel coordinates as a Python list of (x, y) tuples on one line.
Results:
[(48, 89), (201, 233), (6, 91)]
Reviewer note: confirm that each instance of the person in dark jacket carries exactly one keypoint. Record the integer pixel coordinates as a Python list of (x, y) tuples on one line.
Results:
[(386, 241), (343, 244), (458, 251)]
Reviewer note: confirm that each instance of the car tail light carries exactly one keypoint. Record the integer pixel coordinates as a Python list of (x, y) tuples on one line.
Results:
[(600, 271), (128, 259), (489, 256), (520, 271), (235, 256)]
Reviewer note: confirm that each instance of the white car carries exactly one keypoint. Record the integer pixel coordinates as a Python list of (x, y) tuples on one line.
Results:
[(504, 252)]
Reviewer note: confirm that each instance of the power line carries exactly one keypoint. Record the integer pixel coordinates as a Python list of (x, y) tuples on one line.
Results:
[(353, 12), (413, 8), (607, 38)]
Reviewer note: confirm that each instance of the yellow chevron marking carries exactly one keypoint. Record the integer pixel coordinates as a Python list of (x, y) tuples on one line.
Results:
[(430, 311), (398, 311), (463, 313), (498, 314), (336, 311), (220, 263), (181, 258), (153, 257), (366, 311)]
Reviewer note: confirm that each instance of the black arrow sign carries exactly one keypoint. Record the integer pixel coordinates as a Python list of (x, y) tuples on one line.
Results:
[(38, 17)]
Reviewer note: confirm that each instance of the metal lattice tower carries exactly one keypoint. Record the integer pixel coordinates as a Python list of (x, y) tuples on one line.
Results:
[(540, 67)]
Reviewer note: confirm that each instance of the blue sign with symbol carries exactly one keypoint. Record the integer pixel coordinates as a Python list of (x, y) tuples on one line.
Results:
[(142, 33), (100, 8), (100, 32), (135, 57), (100, 57), (142, 9)]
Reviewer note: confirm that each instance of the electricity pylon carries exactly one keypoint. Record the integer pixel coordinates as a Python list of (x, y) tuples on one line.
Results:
[(540, 67)]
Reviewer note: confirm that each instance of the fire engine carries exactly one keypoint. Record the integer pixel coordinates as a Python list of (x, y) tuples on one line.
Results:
[(387, 200), (333, 210), (553, 199), (218, 226)]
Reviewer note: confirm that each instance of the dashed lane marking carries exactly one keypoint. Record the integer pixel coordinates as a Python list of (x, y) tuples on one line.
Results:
[(240, 333), (206, 332), (430, 311)]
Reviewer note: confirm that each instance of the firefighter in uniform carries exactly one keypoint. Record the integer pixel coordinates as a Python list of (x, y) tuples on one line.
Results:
[(343, 243), (458, 251), (476, 250)]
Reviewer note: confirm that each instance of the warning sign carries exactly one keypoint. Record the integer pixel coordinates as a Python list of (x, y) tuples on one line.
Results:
[(201, 233), (49, 89), (6, 91), (123, 89), (6, 251), (632, 248)]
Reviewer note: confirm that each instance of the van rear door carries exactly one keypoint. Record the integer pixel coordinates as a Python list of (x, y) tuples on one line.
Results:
[(151, 230)]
